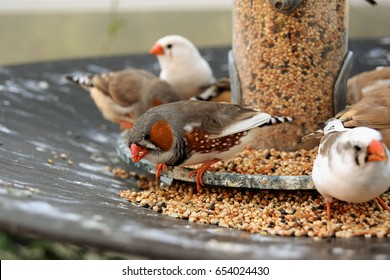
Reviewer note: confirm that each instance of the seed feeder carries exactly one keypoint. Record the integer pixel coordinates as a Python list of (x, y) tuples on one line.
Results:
[(290, 57)]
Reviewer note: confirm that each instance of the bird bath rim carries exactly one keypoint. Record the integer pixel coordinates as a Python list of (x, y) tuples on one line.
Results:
[(221, 179)]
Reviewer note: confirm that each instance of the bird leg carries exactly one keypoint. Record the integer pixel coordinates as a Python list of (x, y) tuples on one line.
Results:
[(328, 210), (160, 167), (383, 203), (199, 172)]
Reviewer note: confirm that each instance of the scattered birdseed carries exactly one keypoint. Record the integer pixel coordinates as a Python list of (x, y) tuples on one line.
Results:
[(121, 173), (50, 161), (284, 213), (288, 63), (267, 212), (64, 156)]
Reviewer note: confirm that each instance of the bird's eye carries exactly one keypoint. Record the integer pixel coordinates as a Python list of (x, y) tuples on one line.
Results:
[(357, 148), (147, 137), (169, 46)]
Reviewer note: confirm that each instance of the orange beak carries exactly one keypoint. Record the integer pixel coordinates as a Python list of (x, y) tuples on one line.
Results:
[(137, 152), (376, 151), (157, 49)]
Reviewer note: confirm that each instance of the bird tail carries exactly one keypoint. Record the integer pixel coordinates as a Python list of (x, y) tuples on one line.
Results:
[(275, 120), (213, 91), (82, 80), (318, 134)]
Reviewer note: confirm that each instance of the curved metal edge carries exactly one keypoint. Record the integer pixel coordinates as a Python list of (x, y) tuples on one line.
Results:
[(235, 83), (340, 86), (219, 178)]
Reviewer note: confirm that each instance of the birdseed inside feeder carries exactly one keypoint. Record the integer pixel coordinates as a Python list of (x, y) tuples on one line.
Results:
[(290, 58)]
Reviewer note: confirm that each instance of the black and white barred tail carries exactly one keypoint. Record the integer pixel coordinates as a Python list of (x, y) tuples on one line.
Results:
[(214, 90), (207, 95), (81, 80), (275, 120)]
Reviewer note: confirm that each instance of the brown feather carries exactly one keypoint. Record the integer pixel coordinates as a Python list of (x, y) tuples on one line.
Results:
[(328, 141), (124, 86), (212, 118), (358, 83), (373, 110)]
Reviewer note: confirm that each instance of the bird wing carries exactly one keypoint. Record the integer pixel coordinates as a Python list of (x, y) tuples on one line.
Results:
[(227, 120), (124, 87), (220, 91), (372, 111), (365, 82), (327, 141), (245, 124), (209, 117)]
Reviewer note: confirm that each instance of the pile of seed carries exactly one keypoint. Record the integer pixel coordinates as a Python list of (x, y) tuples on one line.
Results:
[(288, 63), (270, 162), (284, 213)]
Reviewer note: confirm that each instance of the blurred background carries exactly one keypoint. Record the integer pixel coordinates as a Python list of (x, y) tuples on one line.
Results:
[(42, 30)]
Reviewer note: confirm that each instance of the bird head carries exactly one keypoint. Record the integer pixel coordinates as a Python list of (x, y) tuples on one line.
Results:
[(151, 138), (175, 48), (366, 145)]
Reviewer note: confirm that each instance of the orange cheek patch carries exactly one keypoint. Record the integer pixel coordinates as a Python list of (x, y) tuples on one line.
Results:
[(161, 135)]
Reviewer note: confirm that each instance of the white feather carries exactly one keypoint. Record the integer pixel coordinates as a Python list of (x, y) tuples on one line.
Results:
[(190, 127), (244, 125), (334, 125)]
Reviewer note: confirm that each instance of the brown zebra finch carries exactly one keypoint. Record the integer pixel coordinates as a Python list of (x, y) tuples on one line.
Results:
[(123, 96), (191, 132)]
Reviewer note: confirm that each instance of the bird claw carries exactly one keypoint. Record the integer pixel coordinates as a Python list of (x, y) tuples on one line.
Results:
[(199, 178), (160, 167), (328, 210), (200, 171)]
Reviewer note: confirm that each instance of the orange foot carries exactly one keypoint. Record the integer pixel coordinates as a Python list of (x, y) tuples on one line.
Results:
[(160, 167), (383, 203), (125, 125), (199, 172)]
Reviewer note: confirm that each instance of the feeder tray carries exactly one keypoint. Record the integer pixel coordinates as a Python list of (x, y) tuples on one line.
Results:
[(224, 179)]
